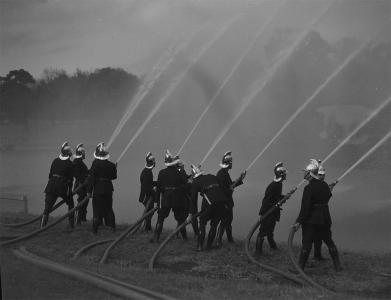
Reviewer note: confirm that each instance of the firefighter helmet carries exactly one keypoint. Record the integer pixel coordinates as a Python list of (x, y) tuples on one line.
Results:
[(80, 152), (312, 169), (170, 160), (150, 161), (279, 172), (226, 162), (101, 152), (66, 151)]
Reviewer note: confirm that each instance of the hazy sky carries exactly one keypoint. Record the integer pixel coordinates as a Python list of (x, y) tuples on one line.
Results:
[(89, 34)]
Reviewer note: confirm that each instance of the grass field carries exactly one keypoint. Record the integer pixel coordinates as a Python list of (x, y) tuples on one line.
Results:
[(181, 271)]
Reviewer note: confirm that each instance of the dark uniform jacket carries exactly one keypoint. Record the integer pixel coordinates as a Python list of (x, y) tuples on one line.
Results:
[(314, 204), (146, 181), (272, 196), (170, 186), (226, 184), (80, 172), (101, 173), (60, 177), (209, 186)]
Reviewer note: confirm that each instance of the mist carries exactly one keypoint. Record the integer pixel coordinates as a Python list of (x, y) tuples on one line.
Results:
[(132, 35)]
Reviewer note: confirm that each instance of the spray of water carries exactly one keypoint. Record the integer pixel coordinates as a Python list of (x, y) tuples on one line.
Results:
[(370, 151), (233, 70), (150, 84), (148, 81), (369, 118), (312, 97), (176, 82), (270, 74)]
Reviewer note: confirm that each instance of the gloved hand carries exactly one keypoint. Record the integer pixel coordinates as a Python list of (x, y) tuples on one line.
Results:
[(243, 175)]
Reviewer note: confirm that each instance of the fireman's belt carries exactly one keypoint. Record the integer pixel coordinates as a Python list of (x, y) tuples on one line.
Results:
[(211, 186), (169, 188), (103, 179), (320, 204)]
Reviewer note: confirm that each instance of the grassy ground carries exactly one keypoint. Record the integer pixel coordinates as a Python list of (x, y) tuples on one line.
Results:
[(181, 271)]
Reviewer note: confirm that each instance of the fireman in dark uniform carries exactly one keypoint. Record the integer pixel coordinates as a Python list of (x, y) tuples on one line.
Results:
[(213, 207), (273, 194), (60, 184), (228, 187), (102, 172), (170, 185), (318, 241), (147, 193), (80, 172), (186, 196), (314, 216)]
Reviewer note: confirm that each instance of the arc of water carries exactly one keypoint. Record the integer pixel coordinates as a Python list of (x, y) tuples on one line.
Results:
[(149, 84), (230, 74), (369, 152), (178, 80), (370, 117), (248, 100), (312, 97)]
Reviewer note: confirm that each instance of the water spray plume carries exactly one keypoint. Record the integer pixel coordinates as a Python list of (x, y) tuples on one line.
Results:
[(370, 151), (233, 70), (179, 79), (150, 82), (270, 74), (369, 118), (312, 97), (146, 85)]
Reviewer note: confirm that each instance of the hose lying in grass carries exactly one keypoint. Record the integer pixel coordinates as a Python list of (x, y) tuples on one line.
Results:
[(170, 236), (297, 267), (108, 284), (132, 229), (38, 231), (267, 267), (89, 246)]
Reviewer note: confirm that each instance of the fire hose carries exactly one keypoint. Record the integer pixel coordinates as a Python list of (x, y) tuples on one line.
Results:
[(168, 238), (297, 267), (250, 234), (89, 246), (132, 229), (35, 219), (113, 286), (36, 232)]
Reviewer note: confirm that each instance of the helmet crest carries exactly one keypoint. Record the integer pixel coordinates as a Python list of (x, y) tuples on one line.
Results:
[(66, 151), (226, 160)]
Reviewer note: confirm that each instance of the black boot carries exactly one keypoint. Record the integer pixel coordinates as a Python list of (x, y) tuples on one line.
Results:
[(259, 244), (303, 258), (194, 225), (157, 232), (95, 224), (211, 237), (184, 233), (219, 238), (228, 230), (78, 217), (71, 220), (200, 240), (318, 250), (334, 256), (44, 220), (272, 243)]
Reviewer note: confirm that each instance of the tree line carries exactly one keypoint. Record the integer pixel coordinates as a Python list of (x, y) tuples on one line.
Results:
[(57, 96)]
